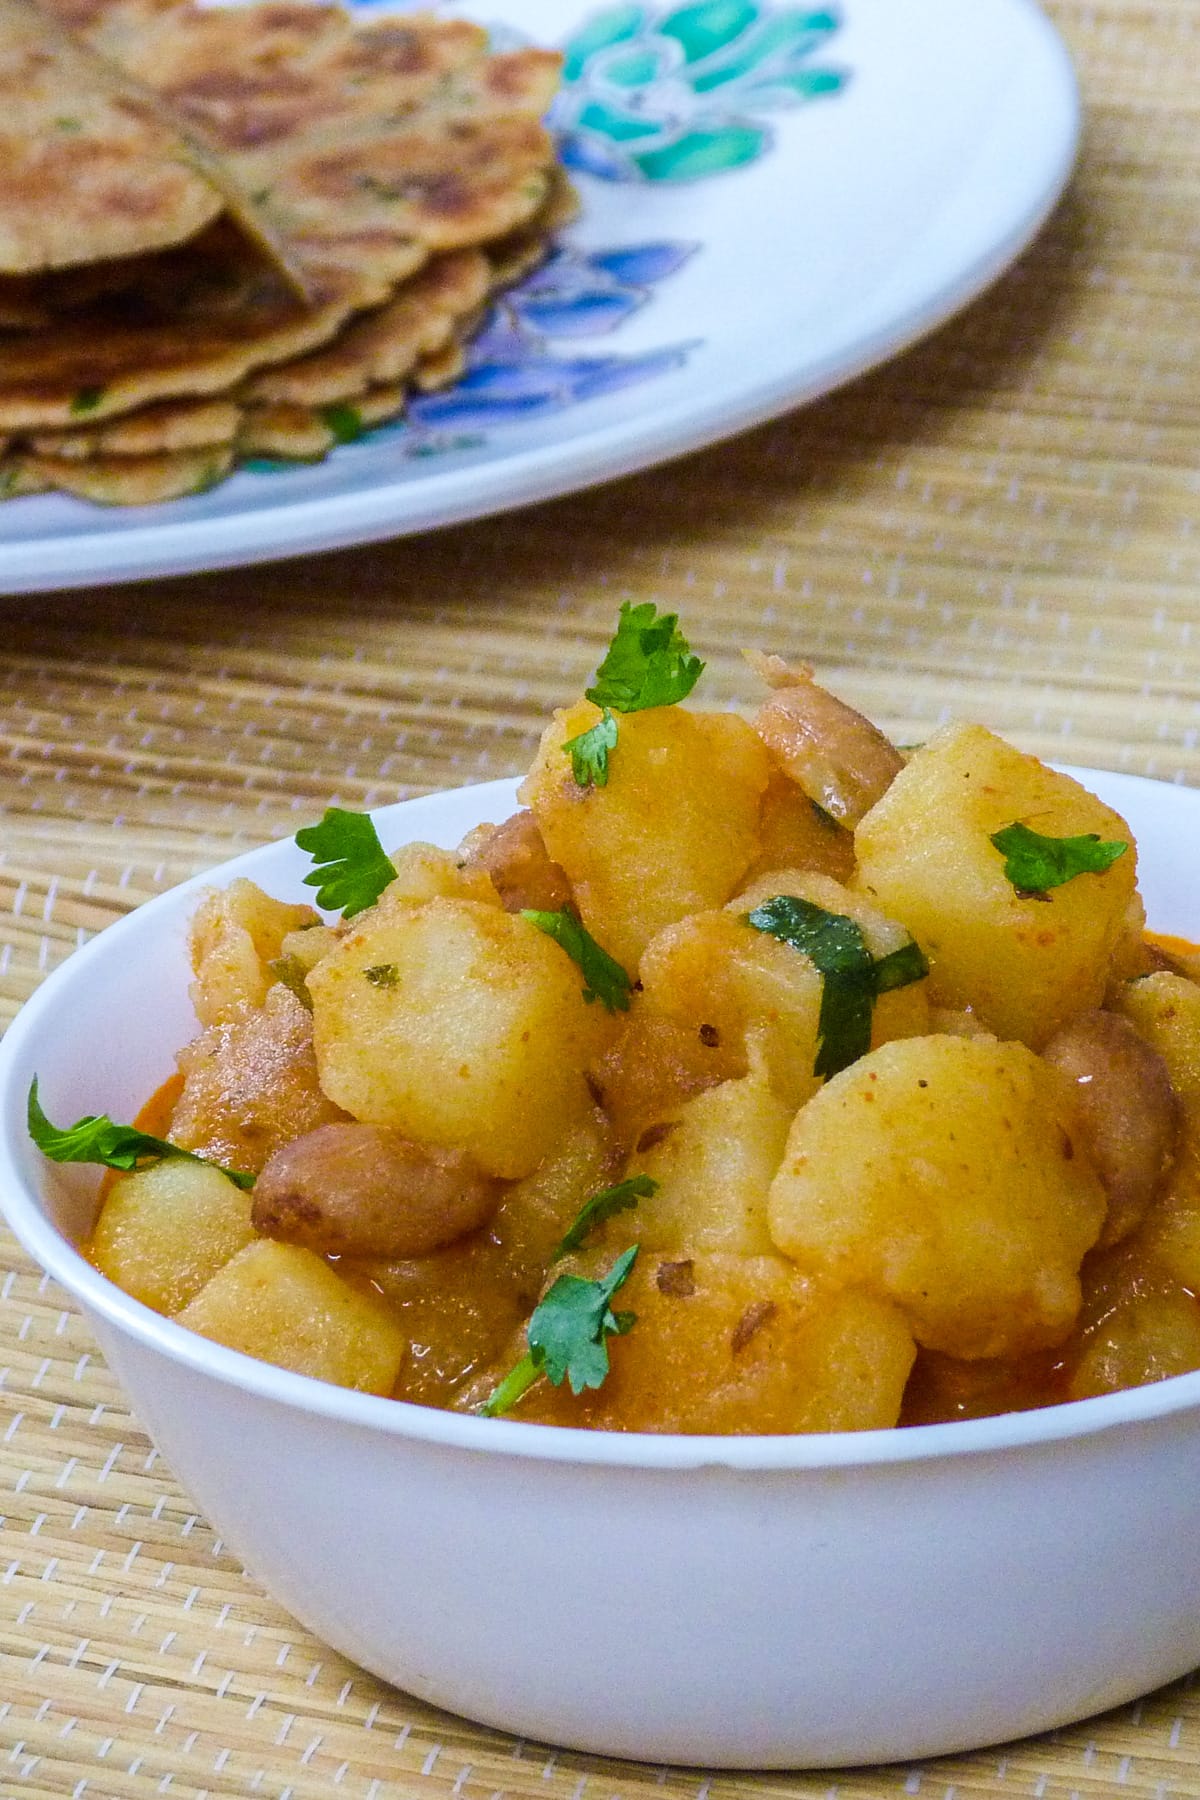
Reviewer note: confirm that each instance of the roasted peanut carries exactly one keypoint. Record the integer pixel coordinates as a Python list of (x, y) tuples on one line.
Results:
[(836, 756), (1127, 1106), (516, 859), (365, 1190)]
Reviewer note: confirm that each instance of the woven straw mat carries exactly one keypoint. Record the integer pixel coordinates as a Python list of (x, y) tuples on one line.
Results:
[(1004, 524)]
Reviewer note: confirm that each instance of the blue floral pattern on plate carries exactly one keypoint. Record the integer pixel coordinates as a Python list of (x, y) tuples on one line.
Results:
[(650, 94)]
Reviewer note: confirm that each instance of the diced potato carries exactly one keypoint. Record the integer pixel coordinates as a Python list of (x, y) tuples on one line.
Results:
[(796, 834), (902, 1012), (425, 872), (739, 1344), (673, 832), (164, 1231), (714, 1162), (760, 996), (285, 1305), (236, 934), (744, 991), (459, 1024), (250, 1086), (943, 1173), (1147, 1338), (654, 1064), (1024, 965)]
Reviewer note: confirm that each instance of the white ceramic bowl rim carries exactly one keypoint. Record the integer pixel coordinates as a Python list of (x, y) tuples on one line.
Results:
[(21, 1206)]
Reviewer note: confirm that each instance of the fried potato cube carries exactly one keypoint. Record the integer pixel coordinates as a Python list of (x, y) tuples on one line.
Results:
[(236, 933), (461, 1025), (164, 1231), (426, 872), (250, 1086), (1146, 1340), (1023, 964), (741, 990), (285, 1305), (738, 1344), (714, 1161), (653, 1065), (1138, 1325), (760, 997), (674, 830), (946, 1174)]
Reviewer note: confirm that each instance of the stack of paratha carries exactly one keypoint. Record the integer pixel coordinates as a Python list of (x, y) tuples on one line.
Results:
[(245, 231)]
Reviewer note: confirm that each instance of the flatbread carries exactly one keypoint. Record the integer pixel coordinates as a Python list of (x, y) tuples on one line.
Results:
[(87, 169), (127, 480), (382, 346), (169, 425)]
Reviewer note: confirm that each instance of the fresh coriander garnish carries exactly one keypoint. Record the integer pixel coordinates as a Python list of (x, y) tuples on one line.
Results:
[(589, 751), (352, 867), (900, 968), (1034, 863), (382, 975), (851, 980), (96, 1139), (568, 1336), (86, 400), (604, 1205), (604, 979), (648, 663), (345, 422), (291, 972)]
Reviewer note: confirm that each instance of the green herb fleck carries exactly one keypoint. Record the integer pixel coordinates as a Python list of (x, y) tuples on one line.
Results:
[(900, 968), (352, 868), (568, 1336), (589, 752), (96, 1139), (603, 977), (345, 422), (602, 1206), (851, 980), (86, 400), (1034, 864), (648, 663), (383, 975), (291, 972), (67, 124)]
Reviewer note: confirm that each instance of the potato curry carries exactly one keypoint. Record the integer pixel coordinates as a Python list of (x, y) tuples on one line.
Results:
[(752, 1077)]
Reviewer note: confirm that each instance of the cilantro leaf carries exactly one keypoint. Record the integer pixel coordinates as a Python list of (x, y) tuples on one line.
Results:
[(900, 968), (604, 979), (568, 1335), (602, 1206), (291, 972), (649, 662), (1034, 863), (851, 980), (96, 1139), (352, 868), (589, 752)]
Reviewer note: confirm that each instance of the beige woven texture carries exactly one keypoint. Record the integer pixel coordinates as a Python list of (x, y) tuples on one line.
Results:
[(1004, 524)]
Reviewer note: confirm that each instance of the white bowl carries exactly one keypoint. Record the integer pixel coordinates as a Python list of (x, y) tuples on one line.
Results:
[(734, 1602)]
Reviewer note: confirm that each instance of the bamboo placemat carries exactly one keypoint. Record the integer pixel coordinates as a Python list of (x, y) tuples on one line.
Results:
[(1003, 524)]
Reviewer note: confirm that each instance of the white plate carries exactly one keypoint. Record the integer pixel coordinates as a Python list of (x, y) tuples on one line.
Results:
[(890, 160)]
